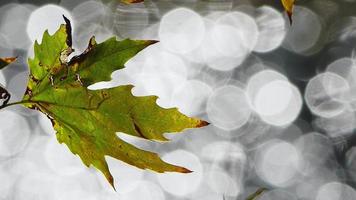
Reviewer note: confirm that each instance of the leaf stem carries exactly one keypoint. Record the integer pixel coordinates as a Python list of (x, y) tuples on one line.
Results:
[(15, 103)]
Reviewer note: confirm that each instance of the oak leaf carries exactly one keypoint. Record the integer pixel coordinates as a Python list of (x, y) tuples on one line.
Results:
[(87, 120)]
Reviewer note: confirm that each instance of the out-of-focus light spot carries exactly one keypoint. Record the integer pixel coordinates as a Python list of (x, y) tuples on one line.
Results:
[(28, 161), (181, 184), (274, 99), (14, 133), (205, 193), (158, 61), (7, 181), (215, 78), (74, 194), (191, 97), (220, 154), (230, 39), (13, 28), (2, 79), (340, 125), (247, 27), (151, 32), (224, 151), (61, 160), (181, 30), (90, 19), (70, 4), (291, 105), (159, 85), (260, 79), (227, 108), (83, 36), (138, 142), (35, 186), (336, 191), (305, 32), (45, 124), (346, 68), (344, 30), (48, 17), (314, 149), (17, 86), (309, 184), (6, 47), (325, 94), (130, 20), (277, 195), (277, 162), (89, 12), (192, 143), (106, 195), (145, 190), (272, 30), (222, 183)]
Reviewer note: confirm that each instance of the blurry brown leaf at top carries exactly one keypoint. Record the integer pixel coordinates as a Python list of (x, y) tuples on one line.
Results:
[(288, 6)]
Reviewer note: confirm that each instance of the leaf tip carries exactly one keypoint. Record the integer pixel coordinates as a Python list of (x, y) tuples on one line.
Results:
[(290, 17), (151, 42), (184, 170), (10, 59), (68, 30), (202, 123), (110, 179), (6, 61)]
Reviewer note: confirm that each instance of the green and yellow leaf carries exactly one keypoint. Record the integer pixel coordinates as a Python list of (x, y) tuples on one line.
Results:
[(87, 120)]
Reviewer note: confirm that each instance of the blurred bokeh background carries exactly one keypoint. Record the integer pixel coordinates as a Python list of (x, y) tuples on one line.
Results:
[(281, 99)]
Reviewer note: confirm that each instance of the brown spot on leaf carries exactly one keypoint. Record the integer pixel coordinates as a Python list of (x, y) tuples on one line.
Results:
[(33, 79), (28, 92)]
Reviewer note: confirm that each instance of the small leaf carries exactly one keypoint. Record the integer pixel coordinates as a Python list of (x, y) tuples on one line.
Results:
[(132, 1), (87, 120), (257, 194), (4, 96), (6, 61), (288, 6)]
